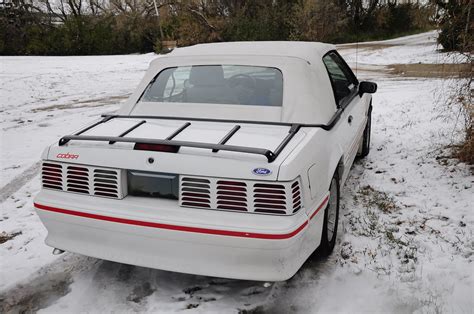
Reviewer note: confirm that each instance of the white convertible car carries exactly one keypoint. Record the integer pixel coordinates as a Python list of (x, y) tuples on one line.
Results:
[(226, 161)]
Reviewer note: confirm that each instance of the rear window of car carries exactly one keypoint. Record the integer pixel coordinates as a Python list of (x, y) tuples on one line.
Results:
[(217, 84)]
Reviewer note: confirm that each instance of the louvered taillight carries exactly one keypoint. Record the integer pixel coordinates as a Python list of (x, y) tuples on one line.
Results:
[(195, 192), (269, 198), (280, 198), (52, 176), (77, 179), (231, 195), (97, 181), (296, 196), (106, 182)]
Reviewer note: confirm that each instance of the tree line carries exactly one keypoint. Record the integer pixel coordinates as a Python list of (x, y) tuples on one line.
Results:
[(82, 27)]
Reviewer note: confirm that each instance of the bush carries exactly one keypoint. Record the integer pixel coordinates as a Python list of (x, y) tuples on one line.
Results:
[(259, 20), (465, 151), (317, 21), (456, 25)]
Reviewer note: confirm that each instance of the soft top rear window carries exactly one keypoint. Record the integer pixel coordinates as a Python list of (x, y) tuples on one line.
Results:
[(217, 84)]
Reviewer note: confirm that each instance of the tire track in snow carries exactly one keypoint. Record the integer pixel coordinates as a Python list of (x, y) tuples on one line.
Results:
[(36, 294), (49, 284), (20, 180)]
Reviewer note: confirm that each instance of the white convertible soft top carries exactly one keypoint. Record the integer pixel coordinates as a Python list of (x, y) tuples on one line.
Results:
[(308, 51), (307, 92)]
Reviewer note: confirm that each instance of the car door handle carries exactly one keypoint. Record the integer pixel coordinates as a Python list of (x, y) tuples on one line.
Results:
[(349, 119)]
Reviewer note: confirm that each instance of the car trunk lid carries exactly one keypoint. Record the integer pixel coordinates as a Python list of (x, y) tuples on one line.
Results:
[(188, 160)]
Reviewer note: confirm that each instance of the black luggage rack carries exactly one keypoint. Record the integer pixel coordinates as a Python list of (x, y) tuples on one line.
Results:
[(270, 155)]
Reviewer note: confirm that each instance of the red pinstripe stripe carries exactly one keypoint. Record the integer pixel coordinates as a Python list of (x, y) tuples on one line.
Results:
[(149, 224), (323, 204), (174, 227)]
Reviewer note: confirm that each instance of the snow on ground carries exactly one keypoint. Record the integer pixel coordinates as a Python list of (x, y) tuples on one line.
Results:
[(405, 241), (50, 96), (419, 48)]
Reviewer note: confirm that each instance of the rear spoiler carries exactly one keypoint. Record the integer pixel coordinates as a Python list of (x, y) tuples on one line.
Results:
[(270, 155)]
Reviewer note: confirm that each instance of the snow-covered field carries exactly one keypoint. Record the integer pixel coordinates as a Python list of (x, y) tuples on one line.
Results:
[(419, 48), (406, 224)]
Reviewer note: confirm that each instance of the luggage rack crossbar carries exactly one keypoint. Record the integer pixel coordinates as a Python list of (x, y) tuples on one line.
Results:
[(242, 149), (270, 155)]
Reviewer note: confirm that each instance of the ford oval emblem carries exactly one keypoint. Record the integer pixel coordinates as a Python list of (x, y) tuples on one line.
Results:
[(261, 171)]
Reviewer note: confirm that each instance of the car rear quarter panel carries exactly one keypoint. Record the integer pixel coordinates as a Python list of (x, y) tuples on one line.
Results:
[(315, 162)]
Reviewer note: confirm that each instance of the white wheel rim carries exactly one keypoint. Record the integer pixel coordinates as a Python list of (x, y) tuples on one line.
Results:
[(332, 210)]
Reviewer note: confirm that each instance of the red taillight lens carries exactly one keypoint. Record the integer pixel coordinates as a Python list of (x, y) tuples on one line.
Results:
[(231, 188), (156, 147)]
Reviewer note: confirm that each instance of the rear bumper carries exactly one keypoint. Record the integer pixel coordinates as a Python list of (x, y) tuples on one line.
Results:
[(160, 234)]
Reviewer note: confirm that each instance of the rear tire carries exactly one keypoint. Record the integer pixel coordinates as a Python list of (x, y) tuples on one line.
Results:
[(331, 218), (365, 144)]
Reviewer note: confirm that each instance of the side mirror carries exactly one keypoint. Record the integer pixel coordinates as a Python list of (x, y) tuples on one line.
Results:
[(367, 87)]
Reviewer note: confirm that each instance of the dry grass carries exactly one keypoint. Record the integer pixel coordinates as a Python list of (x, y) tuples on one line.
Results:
[(441, 70), (462, 100), (377, 199), (465, 150)]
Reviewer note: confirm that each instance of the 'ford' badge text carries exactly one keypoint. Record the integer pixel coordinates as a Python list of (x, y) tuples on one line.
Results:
[(262, 171)]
